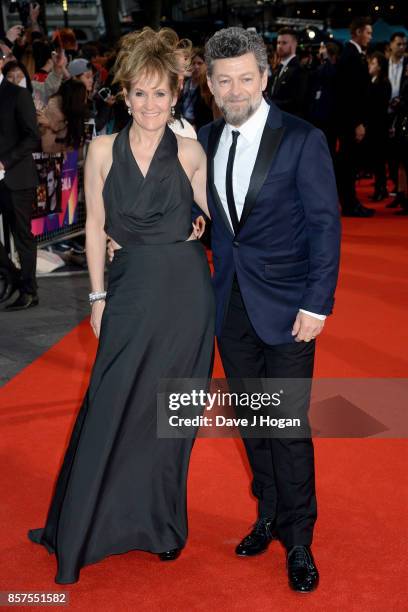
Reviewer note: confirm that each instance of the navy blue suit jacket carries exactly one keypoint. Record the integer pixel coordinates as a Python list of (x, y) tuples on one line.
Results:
[(286, 251)]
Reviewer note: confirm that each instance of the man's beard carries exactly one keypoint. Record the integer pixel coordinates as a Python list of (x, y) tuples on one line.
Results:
[(238, 116)]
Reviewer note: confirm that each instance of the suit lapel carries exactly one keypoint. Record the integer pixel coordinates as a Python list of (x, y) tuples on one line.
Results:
[(213, 140), (270, 141), (3, 87), (404, 75)]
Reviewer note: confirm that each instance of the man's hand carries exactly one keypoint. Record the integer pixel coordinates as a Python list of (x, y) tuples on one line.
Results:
[(1, 166), (306, 327), (110, 249), (360, 132), (14, 32), (199, 226)]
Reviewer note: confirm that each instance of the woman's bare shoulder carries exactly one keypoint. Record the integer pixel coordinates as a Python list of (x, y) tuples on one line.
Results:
[(102, 145), (190, 147)]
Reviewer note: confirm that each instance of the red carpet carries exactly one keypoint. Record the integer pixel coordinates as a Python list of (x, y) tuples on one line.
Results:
[(360, 538)]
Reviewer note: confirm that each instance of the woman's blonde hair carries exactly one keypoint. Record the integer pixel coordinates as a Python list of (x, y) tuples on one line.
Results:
[(149, 53)]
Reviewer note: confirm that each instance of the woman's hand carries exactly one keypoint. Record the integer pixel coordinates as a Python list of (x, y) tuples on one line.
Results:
[(96, 316), (15, 32), (42, 119), (110, 100)]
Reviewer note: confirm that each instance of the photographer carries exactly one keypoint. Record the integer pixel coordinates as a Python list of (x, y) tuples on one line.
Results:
[(17, 73), (21, 38), (100, 102)]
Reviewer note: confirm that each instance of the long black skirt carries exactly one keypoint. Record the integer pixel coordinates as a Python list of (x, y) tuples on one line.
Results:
[(121, 487)]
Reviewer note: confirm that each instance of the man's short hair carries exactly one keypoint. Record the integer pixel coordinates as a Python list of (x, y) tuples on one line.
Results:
[(288, 32), (395, 35), (359, 23), (234, 42)]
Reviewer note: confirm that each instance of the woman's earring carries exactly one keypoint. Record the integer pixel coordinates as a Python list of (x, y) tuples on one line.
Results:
[(129, 110), (173, 111)]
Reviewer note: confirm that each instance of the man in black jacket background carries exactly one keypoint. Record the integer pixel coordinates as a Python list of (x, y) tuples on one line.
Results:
[(398, 75), (353, 82), (289, 82), (19, 138), (352, 89)]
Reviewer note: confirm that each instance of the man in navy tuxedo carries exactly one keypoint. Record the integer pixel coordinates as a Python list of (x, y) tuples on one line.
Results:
[(276, 240)]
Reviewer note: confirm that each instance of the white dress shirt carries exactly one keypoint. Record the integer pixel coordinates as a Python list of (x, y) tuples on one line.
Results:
[(183, 128), (359, 49), (250, 134), (1, 77), (394, 75), (286, 61)]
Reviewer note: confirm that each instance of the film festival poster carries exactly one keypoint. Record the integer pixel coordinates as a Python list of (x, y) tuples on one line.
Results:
[(57, 193), (49, 168)]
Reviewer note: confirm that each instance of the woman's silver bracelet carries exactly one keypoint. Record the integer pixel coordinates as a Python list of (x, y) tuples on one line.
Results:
[(95, 296)]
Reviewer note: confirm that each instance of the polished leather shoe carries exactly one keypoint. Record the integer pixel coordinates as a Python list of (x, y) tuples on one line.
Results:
[(24, 301), (11, 288), (402, 213), (258, 540), (302, 571), (170, 555), (369, 212), (379, 195), (359, 211), (397, 201)]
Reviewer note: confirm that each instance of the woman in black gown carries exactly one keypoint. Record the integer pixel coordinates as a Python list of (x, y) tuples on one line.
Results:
[(121, 487)]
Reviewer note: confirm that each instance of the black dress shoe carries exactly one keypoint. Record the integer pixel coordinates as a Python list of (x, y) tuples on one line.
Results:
[(170, 555), (369, 212), (359, 211), (258, 540), (397, 201), (302, 571), (24, 301), (379, 195), (11, 287), (402, 213)]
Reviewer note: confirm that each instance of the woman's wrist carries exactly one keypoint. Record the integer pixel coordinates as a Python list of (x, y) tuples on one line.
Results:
[(97, 296)]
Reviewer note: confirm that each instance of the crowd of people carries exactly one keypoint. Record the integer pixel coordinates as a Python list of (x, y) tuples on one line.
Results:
[(358, 96)]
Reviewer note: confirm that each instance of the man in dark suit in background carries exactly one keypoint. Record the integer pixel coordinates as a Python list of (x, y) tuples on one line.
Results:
[(275, 240), (289, 82), (397, 75), (352, 105), (19, 138)]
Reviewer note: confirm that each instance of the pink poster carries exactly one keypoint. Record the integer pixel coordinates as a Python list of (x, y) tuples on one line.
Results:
[(57, 193)]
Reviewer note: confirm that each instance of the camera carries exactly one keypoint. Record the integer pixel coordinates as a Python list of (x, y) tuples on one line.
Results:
[(104, 93)]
